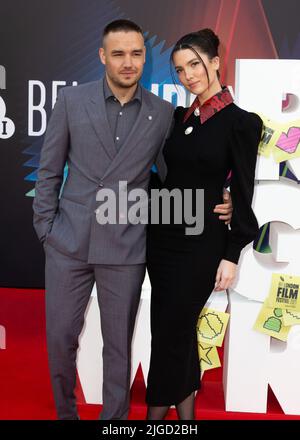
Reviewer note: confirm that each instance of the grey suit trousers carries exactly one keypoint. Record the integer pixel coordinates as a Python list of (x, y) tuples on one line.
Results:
[(69, 283)]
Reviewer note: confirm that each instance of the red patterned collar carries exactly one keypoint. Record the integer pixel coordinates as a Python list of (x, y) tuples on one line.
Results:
[(213, 105)]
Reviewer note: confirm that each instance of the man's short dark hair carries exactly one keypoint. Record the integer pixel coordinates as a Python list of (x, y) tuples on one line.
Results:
[(122, 25)]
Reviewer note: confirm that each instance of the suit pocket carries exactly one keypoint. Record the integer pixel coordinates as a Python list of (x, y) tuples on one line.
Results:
[(71, 228)]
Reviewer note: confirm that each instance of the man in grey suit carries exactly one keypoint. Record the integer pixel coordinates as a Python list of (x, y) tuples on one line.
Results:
[(106, 131)]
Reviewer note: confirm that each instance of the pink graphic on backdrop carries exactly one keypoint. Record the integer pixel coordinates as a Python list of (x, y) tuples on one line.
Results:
[(290, 141)]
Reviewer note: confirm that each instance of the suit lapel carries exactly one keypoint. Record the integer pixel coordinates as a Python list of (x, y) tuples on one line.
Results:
[(95, 107)]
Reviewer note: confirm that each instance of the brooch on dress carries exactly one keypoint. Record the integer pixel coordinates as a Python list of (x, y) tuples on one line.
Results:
[(189, 130)]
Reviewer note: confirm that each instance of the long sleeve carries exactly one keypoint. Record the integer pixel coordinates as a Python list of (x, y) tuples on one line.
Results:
[(159, 163), (51, 169), (244, 142)]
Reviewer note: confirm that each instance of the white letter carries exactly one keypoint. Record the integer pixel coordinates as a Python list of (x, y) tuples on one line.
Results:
[(38, 108), (141, 205), (55, 85), (109, 206)]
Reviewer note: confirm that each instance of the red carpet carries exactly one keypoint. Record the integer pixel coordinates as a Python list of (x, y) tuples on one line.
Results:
[(25, 391)]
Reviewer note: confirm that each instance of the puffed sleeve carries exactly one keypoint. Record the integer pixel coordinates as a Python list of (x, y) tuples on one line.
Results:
[(245, 137)]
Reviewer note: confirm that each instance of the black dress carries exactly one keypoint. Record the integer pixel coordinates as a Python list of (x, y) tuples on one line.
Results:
[(182, 268)]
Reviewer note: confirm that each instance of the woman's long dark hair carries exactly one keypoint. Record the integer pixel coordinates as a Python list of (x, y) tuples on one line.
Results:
[(205, 40)]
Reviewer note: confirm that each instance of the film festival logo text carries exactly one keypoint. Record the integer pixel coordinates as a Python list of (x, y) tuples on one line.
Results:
[(151, 208), (287, 293), (7, 127)]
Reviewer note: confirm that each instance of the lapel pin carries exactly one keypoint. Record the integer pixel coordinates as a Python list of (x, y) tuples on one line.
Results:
[(150, 118), (197, 111), (188, 130)]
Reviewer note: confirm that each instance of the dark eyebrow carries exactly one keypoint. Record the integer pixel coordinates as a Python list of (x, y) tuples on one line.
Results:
[(119, 51), (189, 62)]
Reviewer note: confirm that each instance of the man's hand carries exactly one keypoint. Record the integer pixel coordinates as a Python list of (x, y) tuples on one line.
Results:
[(226, 208)]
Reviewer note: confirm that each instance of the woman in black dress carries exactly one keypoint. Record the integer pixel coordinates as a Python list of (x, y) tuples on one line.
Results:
[(208, 140)]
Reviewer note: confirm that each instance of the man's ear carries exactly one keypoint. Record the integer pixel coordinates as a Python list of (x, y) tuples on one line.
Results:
[(144, 54), (102, 55)]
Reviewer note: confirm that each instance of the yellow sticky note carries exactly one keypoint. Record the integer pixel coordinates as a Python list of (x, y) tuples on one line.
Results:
[(270, 322), (209, 357), (211, 326), (270, 134), (290, 317), (284, 292)]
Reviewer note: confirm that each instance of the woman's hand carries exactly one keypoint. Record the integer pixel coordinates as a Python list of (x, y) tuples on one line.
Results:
[(225, 275)]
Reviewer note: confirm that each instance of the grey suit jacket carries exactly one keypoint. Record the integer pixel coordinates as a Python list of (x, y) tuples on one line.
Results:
[(78, 134)]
